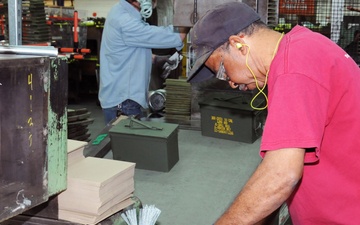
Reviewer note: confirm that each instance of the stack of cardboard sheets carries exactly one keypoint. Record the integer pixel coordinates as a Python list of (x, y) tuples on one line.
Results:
[(96, 189), (75, 151)]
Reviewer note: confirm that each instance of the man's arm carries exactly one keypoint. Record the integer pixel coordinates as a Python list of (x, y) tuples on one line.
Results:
[(270, 185), (353, 9), (183, 34), (183, 31)]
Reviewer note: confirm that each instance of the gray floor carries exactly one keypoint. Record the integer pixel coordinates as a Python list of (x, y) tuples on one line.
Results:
[(201, 185)]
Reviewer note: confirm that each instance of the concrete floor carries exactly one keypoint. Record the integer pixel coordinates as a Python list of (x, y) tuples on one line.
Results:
[(197, 190)]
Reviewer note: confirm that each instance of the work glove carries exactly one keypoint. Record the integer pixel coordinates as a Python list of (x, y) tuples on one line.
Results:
[(160, 60), (172, 64)]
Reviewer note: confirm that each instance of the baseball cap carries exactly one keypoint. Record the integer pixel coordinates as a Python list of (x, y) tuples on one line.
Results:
[(214, 29)]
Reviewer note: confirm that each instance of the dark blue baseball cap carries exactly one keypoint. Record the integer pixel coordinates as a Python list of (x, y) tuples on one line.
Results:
[(213, 30)]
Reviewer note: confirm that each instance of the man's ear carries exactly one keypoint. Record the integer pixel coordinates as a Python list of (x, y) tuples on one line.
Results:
[(236, 42)]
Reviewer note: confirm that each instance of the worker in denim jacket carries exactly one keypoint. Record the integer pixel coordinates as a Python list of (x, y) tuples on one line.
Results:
[(126, 57)]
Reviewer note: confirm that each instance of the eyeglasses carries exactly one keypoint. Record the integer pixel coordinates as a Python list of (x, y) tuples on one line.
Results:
[(221, 73)]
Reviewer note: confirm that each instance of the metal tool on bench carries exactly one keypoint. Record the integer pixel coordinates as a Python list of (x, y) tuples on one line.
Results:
[(134, 121)]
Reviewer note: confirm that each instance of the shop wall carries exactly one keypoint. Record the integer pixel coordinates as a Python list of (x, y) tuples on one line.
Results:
[(87, 8), (101, 8)]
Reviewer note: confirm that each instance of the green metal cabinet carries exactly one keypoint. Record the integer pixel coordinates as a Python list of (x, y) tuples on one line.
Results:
[(33, 131)]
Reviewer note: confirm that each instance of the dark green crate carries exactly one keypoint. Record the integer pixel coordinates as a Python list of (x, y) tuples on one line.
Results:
[(229, 116), (150, 149)]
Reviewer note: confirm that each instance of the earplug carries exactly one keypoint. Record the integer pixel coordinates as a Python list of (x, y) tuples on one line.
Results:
[(239, 45)]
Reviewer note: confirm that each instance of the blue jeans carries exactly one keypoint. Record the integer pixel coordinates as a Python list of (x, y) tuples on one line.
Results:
[(127, 107)]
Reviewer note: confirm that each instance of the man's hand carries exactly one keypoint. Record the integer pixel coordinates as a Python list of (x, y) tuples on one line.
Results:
[(176, 58), (167, 63), (160, 60)]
